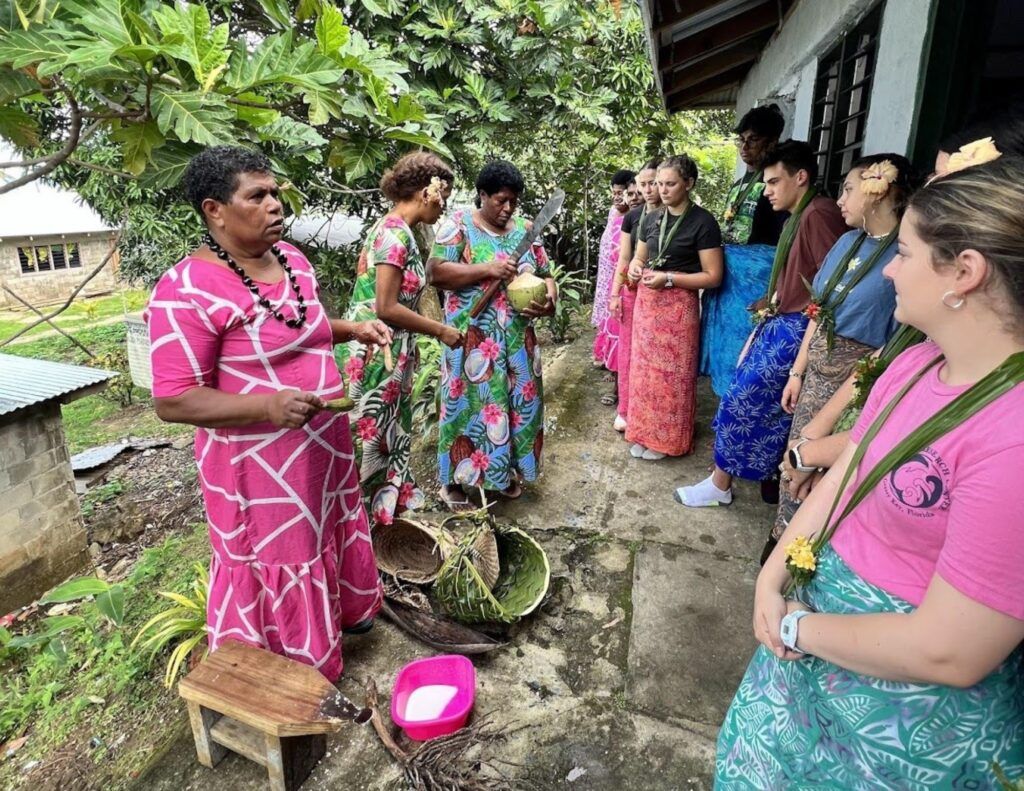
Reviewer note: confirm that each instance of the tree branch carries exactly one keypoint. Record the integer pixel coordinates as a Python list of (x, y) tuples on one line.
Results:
[(99, 168), (36, 310), (71, 297), (51, 162)]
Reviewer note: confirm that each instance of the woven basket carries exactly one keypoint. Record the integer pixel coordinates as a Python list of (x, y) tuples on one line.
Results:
[(522, 582), (411, 551)]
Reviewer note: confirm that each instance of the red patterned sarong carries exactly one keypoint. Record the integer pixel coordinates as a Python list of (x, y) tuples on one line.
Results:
[(663, 370)]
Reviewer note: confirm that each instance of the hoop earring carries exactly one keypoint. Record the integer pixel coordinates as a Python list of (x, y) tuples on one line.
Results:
[(960, 301)]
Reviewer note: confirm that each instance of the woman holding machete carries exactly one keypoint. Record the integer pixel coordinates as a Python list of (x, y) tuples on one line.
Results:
[(491, 415)]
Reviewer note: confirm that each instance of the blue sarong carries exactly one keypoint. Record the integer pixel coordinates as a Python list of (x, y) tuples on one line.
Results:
[(725, 321), (750, 427), (811, 724)]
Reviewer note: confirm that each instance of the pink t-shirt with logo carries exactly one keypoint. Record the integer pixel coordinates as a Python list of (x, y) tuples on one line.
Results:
[(955, 509)]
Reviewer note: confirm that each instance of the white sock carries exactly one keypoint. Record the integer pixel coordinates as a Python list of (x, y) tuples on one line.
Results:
[(704, 494)]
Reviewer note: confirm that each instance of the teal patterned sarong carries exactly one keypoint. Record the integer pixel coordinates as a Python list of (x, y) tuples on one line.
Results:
[(810, 724)]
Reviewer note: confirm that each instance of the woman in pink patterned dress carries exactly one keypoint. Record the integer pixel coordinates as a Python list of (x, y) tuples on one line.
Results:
[(606, 340), (242, 349)]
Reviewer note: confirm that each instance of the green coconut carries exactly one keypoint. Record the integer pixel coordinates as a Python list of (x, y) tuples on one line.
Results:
[(525, 289)]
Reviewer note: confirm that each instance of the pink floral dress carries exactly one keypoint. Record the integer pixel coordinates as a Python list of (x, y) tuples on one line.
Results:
[(292, 559), (606, 342)]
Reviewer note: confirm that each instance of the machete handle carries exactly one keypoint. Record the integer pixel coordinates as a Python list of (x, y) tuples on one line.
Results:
[(484, 299)]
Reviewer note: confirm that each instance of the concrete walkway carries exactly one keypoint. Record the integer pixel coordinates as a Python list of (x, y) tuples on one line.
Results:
[(620, 681)]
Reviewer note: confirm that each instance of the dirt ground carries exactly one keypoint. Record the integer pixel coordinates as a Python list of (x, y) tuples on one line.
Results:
[(621, 679)]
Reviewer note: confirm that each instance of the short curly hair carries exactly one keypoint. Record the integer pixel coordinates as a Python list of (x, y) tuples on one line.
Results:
[(412, 173), (497, 175), (213, 173)]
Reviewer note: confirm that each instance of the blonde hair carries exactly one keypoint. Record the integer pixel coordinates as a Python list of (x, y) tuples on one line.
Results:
[(978, 208)]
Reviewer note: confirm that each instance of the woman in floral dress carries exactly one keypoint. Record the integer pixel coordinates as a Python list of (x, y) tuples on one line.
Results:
[(492, 415), (390, 279), (242, 349)]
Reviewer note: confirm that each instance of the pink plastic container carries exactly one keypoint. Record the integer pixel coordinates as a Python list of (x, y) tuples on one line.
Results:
[(452, 669)]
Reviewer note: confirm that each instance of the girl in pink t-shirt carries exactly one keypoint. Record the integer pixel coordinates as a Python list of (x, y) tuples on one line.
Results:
[(900, 664)]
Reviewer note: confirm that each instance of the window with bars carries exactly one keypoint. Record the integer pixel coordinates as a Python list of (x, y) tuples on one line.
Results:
[(842, 93), (49, 257)]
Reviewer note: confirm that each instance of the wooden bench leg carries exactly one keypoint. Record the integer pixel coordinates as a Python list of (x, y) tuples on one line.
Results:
[(290, 759), (208, 751)]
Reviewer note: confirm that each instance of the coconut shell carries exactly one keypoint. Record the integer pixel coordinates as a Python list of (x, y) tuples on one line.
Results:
[(462, 448)]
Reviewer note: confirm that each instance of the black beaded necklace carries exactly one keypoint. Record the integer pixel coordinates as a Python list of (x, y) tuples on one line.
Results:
[(250, 284)]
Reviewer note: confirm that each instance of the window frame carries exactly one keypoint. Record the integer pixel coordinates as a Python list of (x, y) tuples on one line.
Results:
[(844, 80)]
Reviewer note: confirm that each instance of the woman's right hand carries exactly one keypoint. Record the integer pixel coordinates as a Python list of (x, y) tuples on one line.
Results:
[(791, 394), (502, 270), (636, 271), (450, 336), (769, 610), (292, 408), (615, 305)]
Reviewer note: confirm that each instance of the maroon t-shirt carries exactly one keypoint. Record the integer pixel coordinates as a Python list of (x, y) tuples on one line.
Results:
[(821, 225)]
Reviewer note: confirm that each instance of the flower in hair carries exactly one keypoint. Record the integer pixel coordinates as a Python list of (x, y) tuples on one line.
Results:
[(434, 189), (977, 153), (875, 180)]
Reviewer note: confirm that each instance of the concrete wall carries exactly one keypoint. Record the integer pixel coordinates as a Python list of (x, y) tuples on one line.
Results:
[(43, 288), (42, 535), (787, 68)]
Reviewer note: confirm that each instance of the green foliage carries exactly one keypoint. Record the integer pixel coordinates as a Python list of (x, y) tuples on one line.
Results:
[(99, 495), (571, 289), (425, 386), (185, 623), (120, 389), (108, 601), (96, 682), (333, 93)]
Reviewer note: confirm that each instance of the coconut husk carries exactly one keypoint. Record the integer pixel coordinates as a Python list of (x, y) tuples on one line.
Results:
[(409, 550)]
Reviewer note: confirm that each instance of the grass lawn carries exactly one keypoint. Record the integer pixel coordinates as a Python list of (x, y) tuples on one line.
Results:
[(98, 419), (97, 713), (82, 314)]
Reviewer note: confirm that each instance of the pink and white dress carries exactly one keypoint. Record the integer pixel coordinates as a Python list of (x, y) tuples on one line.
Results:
[(606, 342), (292, 559)]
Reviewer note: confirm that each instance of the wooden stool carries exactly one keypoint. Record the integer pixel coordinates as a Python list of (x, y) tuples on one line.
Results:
[(270, 709)]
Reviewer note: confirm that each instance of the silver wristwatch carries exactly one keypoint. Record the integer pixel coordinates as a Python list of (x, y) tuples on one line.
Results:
[(796, 460), (790, 629), (668, 280)]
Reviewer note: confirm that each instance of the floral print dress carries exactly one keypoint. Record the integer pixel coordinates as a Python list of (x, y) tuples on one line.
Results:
[(491, 411), (382, 419)]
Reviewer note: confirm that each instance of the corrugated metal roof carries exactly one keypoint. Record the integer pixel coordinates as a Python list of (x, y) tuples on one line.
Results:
[(25, 382)]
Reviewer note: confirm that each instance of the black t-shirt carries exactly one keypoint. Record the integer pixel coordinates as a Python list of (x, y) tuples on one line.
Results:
[(767, 223), (698, 231), (631, 223)]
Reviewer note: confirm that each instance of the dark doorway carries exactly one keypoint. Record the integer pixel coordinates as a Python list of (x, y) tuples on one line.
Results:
[(975, 66)]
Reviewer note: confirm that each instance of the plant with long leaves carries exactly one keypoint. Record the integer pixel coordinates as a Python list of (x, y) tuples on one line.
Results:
[(184, 623)]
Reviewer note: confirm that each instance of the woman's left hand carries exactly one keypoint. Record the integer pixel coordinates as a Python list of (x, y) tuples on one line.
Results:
[(537, 309), (370, 333), (654, 280)]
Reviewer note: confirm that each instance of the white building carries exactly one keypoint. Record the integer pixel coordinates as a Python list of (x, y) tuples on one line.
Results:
[(49, 241), (851, 76)]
